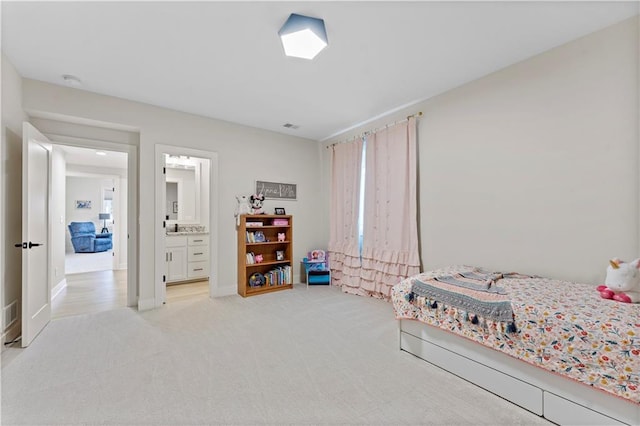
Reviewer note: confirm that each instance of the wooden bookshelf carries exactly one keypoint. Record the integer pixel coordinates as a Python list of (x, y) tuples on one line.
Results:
[(258, 236)]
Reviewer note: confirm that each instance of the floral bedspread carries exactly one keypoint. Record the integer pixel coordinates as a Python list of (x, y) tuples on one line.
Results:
[(563, 327)]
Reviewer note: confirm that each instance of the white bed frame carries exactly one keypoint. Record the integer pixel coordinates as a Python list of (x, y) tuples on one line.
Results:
[(561, 400)]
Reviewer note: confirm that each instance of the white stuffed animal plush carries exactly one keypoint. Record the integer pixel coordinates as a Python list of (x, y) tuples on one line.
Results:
[(242, 207), (255, 202), (622, 282)]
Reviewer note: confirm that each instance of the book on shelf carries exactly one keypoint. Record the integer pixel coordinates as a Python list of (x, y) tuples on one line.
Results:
[(250, 259), (255, 237), (278, 276)]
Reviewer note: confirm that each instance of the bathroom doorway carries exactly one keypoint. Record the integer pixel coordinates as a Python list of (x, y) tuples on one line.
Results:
[(186, 207)]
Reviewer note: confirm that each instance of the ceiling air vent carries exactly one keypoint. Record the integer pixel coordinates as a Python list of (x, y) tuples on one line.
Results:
[(291, 126)]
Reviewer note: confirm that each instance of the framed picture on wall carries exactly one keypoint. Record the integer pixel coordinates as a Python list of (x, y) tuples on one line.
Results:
[(83, 204)]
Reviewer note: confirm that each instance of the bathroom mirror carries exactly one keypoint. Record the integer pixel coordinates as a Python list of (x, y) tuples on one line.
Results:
[(187, 189), (172, 201), (182, 194)]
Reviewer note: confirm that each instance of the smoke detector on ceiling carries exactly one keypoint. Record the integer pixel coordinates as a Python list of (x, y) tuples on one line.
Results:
[(291, 126)]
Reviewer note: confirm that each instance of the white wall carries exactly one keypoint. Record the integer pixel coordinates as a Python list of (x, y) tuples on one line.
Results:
[(58, 214), (245, 155), (11, 187), (534, 168)]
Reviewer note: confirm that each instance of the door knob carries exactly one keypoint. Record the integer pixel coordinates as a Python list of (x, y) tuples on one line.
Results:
[(27, 245)]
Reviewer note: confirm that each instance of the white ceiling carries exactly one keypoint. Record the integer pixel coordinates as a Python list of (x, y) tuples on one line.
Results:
[(224, 60), (87, 157)]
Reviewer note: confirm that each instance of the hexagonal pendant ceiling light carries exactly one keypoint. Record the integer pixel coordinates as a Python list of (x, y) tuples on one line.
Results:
[(303, 36)]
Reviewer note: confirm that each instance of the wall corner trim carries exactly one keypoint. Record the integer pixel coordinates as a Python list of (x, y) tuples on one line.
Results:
[(146, 304), (10, 334)]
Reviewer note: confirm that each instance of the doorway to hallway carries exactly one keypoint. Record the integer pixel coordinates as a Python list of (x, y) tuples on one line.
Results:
[(94, 204)]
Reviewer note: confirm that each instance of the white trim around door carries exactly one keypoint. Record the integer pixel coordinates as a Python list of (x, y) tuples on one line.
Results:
[(160, 230)]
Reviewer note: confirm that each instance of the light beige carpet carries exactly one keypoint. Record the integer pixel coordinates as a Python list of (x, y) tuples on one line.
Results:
[(301, 356)]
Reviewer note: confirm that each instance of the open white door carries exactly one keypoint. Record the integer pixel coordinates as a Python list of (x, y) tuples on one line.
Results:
[(36, 288)]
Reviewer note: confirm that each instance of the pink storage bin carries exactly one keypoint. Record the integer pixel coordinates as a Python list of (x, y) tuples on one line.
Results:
[(280, 222)]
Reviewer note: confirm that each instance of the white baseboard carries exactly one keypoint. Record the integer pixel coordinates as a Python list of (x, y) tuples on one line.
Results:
[(225, 291), (146, 304), (11, 333), (230, 291), (58, 288)]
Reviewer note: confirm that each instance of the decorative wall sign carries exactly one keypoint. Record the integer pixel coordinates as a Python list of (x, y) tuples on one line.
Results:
[(276, 190), (83, 204)]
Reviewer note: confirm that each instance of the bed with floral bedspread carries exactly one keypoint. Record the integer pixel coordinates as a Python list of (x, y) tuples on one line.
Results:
[(560, 326)]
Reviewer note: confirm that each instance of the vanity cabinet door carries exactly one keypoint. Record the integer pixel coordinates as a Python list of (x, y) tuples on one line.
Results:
[(187, 257), (176, 263)]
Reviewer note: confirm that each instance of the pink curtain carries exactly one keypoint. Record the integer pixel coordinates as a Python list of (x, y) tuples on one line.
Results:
[(344, 255), (390, 241)]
